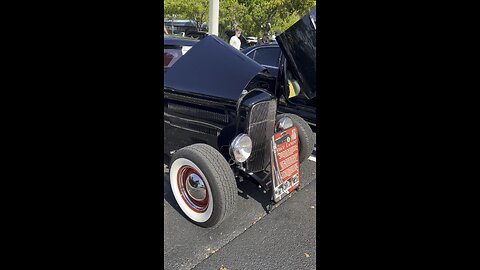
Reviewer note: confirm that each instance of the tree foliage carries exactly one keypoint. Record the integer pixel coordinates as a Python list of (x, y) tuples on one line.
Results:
[(271, 15), (255, 17), (195, 10)]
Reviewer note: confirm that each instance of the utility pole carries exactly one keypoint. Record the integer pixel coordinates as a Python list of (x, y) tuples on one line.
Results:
[(173, 18), (213, 10)]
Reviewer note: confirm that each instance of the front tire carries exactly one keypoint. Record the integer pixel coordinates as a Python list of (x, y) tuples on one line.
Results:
[(305, 136), (203, 184)]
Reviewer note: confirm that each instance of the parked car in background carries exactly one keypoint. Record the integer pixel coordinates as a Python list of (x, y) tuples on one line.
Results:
[(178, 26), (252, 41), (174, 48), (196, 34), (269, 55)]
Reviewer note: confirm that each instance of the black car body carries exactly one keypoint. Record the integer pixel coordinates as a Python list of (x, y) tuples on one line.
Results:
[(212, 109), (269, 55), (214, 93)]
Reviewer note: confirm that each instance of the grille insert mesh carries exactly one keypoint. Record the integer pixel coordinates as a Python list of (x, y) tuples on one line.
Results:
[(261, 124)]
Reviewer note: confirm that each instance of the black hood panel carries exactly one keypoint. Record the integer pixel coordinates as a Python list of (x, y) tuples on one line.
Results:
[(299, 46), (212, 68)]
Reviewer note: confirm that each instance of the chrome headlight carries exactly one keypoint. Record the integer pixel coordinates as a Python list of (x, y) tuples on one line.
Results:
[(284, 123), (241, 148)]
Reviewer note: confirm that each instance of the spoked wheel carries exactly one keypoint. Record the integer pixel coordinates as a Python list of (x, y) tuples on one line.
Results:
[(203, 184)]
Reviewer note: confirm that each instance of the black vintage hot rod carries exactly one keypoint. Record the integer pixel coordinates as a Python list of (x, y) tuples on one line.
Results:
[(220, 115)]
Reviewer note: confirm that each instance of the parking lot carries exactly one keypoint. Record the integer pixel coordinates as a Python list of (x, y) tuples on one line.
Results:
[(249, 239)]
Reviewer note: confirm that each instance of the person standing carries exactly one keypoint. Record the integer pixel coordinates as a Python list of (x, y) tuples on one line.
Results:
[(235, 39)]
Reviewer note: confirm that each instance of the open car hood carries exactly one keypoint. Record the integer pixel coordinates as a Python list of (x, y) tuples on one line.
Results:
[(299, 46), (212, 68)]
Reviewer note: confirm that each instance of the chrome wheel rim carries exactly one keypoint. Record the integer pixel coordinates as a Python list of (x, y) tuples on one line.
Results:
[(193, 189)]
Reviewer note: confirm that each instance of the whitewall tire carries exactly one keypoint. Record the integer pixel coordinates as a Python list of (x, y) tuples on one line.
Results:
[(181, 172), (203, 184)]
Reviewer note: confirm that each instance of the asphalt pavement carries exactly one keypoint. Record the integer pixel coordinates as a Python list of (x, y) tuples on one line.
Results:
[(249, 238), (284, 239)]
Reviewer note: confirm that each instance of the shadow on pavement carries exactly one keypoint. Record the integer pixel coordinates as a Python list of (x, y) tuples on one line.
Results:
[(249, 190), (186, 244)]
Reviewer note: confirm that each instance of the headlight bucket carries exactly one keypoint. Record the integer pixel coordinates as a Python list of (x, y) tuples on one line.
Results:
[(241, 148)]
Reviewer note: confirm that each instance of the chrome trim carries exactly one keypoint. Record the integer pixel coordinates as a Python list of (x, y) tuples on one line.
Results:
[(313, 22), (285, 123), (260, 129), (192, 188), (196, 188), (235, 142), (269, 66)]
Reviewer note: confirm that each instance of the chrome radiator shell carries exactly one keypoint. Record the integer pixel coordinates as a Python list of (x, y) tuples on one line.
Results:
[(260, 128)]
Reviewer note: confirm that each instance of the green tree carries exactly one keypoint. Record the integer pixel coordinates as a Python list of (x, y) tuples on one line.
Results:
[(268, 15), (195, 10), (171, 7), (255, 17), (232, 14)]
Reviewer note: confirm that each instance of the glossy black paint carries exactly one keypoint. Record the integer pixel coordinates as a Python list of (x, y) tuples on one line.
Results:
[(299, 46), (190, 119), (209, 92), (213, 68), (305, 108)]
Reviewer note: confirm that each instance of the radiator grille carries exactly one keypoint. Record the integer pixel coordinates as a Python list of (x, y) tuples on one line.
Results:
[(261, 124)]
